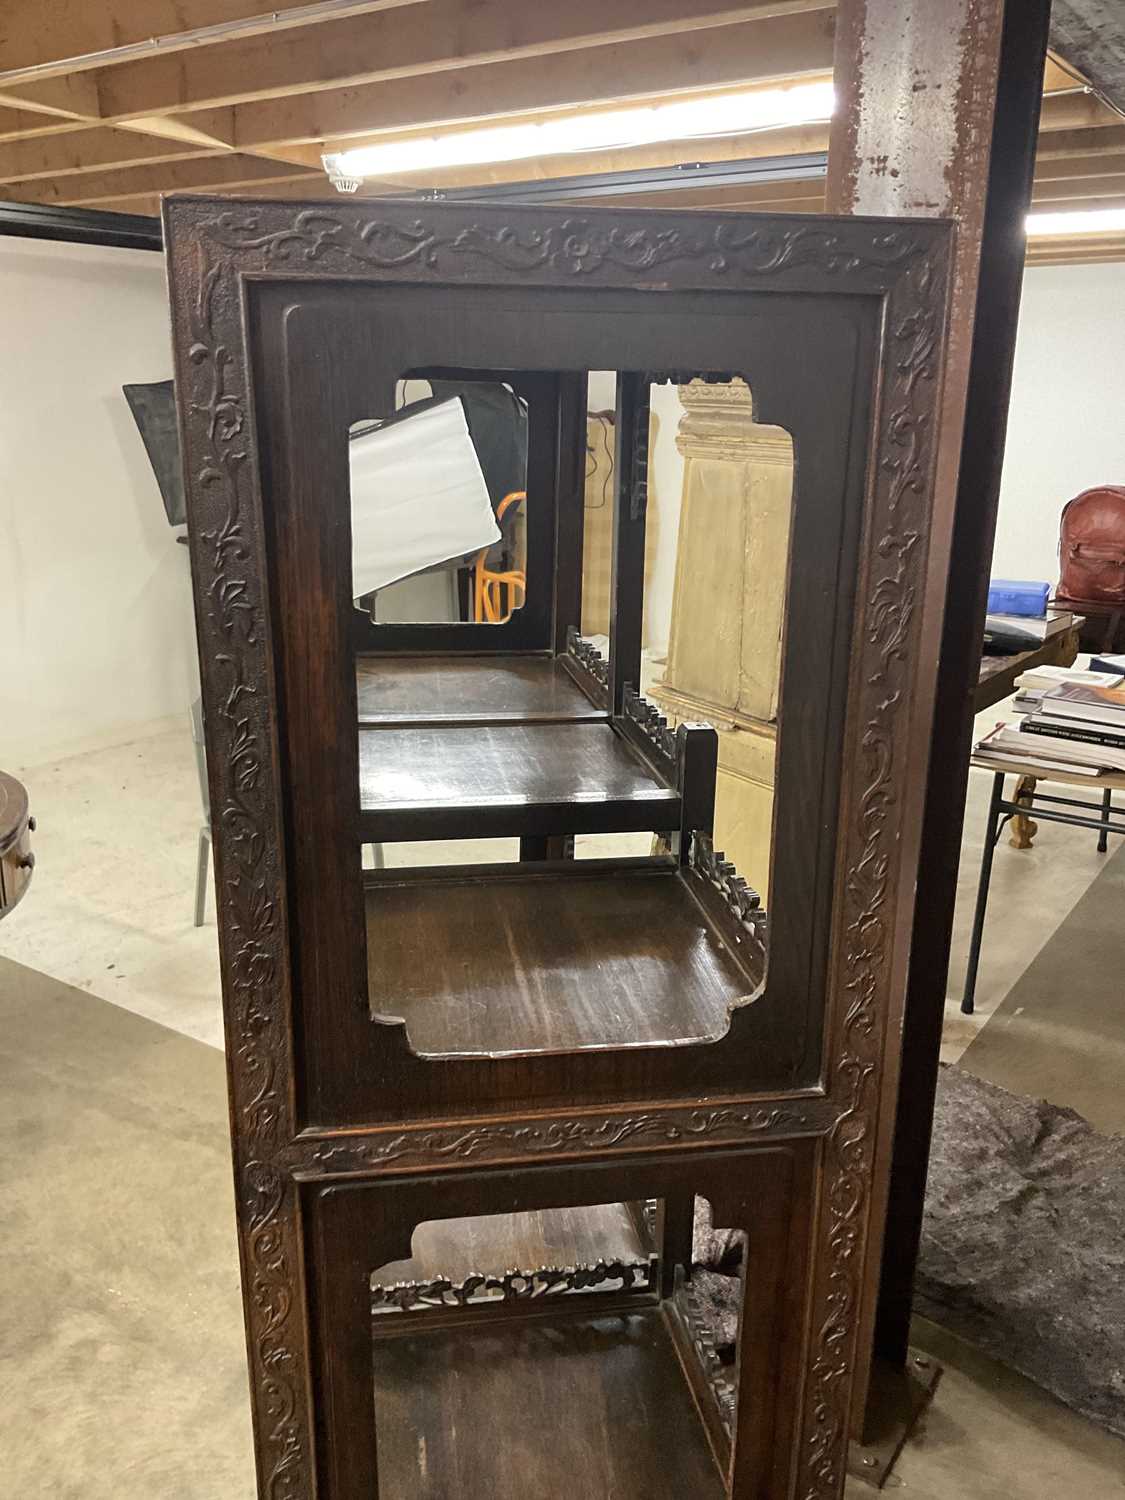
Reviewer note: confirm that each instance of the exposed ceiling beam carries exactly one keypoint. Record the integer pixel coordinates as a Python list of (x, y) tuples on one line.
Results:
[(226, 174), (1058, 168), (1076, 112), (1106, 141), (1095, 192), (719, 56), (39, 37), (81, 151), (74, 97), (442, 35)]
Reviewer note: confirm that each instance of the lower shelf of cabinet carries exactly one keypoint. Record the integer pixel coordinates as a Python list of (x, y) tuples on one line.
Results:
[(588, 1406)]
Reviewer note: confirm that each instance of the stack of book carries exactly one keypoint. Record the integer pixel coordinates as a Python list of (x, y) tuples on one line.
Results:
[(1076, 726)]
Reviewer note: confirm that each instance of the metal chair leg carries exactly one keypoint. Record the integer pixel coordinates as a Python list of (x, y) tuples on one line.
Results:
[(991, 836), (1107, 808), (201, 872)]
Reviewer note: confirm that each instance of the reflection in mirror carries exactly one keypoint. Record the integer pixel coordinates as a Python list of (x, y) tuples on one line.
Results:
[(534, 749), (438, 503), (727, 608)]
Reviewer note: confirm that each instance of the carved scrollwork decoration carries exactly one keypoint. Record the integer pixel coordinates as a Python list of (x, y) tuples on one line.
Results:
[(507, 1141), (587, 655), (903, 481), (574, 246), (653, 725), (721, 1378), (547, 1282), (744, 902), (232, 629), (212, 248)]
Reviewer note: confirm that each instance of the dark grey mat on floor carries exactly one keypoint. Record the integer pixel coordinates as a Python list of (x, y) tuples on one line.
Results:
[(1023, 1246), (1060, 1033)]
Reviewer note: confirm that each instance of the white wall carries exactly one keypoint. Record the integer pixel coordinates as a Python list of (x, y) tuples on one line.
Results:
[(1066, 426), (96, 641)]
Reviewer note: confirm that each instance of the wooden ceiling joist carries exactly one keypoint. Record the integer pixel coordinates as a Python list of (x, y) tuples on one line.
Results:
[(85, 151), (111, 104), (39, 38), (439, 36), (726, 56), (232, 173)]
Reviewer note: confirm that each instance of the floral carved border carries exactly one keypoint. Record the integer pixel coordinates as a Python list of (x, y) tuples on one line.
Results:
[(213, 246), (890, 622)]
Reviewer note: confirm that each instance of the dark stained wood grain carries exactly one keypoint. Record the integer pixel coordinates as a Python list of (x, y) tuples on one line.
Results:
[(586, 1407), (334, 347), (468, 690), (506, 780), (548, 963), (292, 321), (397, 1414), (495, 1243), (16, 857)]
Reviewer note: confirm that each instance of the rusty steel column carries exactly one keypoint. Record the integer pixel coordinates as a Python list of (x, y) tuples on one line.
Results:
[(937, 114)]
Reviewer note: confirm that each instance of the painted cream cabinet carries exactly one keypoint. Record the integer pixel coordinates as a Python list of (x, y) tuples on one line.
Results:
[(724, 647)]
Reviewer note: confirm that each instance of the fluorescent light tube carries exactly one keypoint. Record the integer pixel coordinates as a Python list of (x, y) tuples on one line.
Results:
[(1084, 221), (605, 130)]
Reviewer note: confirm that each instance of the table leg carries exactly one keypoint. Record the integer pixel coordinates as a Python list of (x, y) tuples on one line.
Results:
[(1107, 808), (991, 837), (1023, 829)]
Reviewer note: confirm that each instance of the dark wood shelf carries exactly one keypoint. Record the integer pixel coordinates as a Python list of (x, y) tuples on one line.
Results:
[(516, 959), (452, 689), (504, 780), (593, 1406)]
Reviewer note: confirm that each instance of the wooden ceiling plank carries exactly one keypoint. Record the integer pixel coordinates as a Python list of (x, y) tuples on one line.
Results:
[(1106, 141), (442, 35), (72, 98), (81, 151), (226, 174), (1076, 112), (670, 65), (1062, 168), (40, 37), (209, 127), (1093, 192)]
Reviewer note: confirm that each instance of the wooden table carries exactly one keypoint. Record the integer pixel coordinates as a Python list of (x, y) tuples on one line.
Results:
[(1073, 811), (997, 678), (16, 827)]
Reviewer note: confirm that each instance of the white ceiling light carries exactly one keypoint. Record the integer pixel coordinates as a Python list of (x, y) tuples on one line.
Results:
[(1085, 221), (605, 130)]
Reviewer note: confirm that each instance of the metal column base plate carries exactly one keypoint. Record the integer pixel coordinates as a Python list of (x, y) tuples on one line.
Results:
[(897, 1400)]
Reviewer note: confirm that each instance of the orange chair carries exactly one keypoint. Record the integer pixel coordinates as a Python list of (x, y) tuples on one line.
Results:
[(497, 593)]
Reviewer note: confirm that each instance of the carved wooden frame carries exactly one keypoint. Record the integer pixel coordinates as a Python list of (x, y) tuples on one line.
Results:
[(214, 246)]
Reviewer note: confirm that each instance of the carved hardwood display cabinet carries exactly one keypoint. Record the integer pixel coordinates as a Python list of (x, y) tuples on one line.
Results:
[(555, 1167)]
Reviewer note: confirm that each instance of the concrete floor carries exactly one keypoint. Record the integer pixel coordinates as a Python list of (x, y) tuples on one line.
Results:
[(110, 912)]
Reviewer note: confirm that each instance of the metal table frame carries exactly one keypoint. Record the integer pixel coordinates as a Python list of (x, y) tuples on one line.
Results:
[(1106, 819)]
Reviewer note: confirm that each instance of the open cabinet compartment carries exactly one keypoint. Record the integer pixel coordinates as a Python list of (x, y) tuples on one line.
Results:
[(348, 1135)]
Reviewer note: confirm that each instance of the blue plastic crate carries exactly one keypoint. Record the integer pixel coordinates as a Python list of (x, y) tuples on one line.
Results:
[(1014, 596)]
